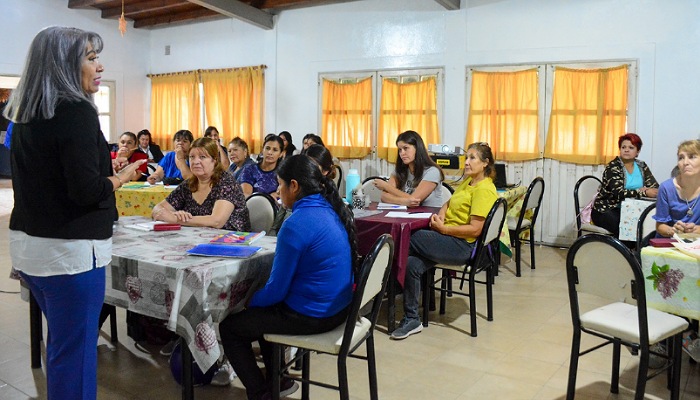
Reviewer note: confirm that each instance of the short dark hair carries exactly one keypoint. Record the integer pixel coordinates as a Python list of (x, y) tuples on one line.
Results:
[(633, 138), (183, 134)]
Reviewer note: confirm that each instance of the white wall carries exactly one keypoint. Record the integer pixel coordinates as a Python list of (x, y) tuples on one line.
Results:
[(126, 59), (365, 35)]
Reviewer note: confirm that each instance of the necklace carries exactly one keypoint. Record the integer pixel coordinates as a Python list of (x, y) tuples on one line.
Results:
[(690, 208)]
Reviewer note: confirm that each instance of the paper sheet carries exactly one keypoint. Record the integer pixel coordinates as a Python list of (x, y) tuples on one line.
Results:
[(399, 214)]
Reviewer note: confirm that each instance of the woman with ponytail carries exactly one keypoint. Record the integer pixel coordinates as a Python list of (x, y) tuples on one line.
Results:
[(310, 286)]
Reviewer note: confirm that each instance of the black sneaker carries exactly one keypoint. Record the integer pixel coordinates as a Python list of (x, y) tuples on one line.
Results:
[(288, 386)]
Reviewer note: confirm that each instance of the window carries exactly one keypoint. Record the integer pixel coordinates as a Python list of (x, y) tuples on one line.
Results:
[(487, 119), (364, 112), (105, 99)]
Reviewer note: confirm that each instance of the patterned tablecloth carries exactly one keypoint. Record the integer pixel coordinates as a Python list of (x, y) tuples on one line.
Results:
[(151, 275), (515, 198), (139, 199), (674, 285)]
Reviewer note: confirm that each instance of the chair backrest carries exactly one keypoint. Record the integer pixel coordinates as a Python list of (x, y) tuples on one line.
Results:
[(370, 285), (262, 209), (600, 265), (490, 233), (338, 180), (585, 189), (368, 188), (532, 201), (446, 192), (646, 224)]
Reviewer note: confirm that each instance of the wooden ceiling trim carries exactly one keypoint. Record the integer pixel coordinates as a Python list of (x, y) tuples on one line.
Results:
[(237, 9), (143, 8), (199, 15)]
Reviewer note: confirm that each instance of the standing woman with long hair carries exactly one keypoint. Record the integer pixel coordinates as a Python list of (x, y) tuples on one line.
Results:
[(311, 283), (417, 179), (64, 200)]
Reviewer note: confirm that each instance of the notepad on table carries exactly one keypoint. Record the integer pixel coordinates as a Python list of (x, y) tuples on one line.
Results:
[(237, 237), (215, 250), (389, 206), (399, 214)]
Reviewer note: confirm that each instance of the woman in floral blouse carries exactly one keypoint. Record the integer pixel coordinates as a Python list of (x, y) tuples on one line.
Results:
[(211, 197), (624, 177)]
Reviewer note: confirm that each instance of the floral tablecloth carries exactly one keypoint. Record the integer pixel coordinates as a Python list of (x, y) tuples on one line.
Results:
[(151, 275), (515, 197), (139, 199), (672, 281)]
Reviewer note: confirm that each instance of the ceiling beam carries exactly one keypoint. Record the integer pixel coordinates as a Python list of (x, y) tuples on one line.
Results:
[(146, 6), (449, 4), (236, 9)]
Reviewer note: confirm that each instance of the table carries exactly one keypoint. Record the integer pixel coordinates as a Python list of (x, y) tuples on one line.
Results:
[(151, 274), (139, 199), (682, 299), (630, 211)]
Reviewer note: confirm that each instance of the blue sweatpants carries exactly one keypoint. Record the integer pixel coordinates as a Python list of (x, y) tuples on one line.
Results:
[(71, 304)]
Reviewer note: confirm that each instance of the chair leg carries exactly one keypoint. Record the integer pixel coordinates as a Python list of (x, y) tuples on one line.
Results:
[(676, 344), (517, 254), (276, 365), (615, 377), (472, 303), (642, 373), (489, 294), (532, 248), (113, 324), (372, 368), (306, 374), (428, 283), (343, 378), (446, 277), (573, 365), (35, 332)]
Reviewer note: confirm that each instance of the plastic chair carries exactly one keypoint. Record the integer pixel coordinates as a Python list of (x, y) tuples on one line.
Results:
[(516, 226), (345, 339), (368, 188), (585, 189), (263, 210), (601, 266), (482, 259), (645, 226)]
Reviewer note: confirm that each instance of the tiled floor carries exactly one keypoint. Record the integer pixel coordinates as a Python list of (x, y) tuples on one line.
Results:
[(522, 354)]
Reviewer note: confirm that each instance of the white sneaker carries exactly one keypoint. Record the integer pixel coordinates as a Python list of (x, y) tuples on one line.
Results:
[(224, 376)]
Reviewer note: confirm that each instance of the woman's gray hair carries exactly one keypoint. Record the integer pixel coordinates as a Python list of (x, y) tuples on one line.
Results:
[(52, 73)]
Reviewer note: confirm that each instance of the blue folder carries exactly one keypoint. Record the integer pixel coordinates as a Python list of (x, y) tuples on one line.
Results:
[(216, 250)]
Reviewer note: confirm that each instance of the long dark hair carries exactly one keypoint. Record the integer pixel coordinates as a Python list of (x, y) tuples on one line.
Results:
[(144, 132), (305, 171), (421, 162), (289, 149), (271, 138), (323, 157)]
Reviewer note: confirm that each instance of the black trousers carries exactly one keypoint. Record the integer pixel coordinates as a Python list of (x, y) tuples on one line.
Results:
[(609, 220), (239, 330)]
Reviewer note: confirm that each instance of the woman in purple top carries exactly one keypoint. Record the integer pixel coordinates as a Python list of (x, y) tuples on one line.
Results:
[(211, 197), (262, 177)]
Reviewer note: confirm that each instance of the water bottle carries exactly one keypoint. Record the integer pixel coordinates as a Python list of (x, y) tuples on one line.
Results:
[(352, 181)]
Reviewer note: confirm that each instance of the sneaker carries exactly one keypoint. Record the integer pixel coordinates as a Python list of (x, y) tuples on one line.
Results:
[(287, 387), (224, 376), (167, 350), (406, 328)]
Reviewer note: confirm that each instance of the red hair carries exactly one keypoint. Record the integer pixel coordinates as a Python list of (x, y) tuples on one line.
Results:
[(633, 138)]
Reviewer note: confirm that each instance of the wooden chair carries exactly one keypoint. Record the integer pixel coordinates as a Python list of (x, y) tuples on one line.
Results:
[(601, 266), (346, 338), (516, 226)]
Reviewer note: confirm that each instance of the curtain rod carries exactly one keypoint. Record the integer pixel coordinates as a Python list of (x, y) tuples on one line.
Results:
[(205, 70)]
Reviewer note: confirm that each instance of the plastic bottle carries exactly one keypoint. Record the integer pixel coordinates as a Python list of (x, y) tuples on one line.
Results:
[(352, 181)]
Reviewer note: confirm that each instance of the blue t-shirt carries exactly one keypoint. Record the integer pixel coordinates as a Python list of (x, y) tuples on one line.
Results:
[(8, 135), (635, 180), (261, 181), (312, 270), (170, 167), (235, 171), (670, 208)]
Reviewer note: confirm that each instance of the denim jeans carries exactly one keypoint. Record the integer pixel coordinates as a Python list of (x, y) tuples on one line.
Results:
[(427, 249)]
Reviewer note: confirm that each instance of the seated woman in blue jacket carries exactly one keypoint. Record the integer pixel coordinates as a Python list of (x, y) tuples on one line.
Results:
[(310, 287)]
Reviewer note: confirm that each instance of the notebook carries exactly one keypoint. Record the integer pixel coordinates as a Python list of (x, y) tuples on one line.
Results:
[(237, 237), (215, 250)]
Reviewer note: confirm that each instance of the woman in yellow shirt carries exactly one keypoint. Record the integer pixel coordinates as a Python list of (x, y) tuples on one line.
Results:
[(453, 231)]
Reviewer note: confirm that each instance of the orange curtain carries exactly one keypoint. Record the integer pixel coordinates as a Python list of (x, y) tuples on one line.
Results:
[(407, 106), (234, 102), (346, 118), (589, 113), (503, 112), (174, 106)]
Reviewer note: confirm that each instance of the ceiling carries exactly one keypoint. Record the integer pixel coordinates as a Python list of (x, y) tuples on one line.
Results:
[(162, 13)]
